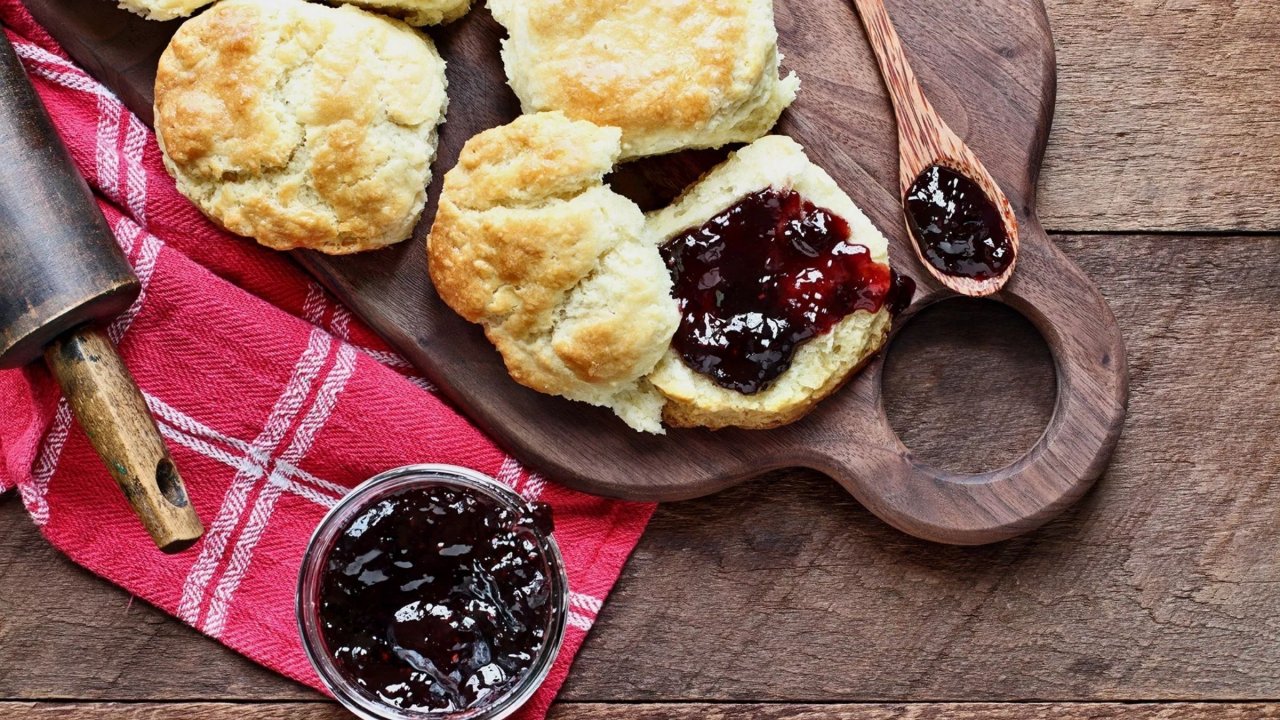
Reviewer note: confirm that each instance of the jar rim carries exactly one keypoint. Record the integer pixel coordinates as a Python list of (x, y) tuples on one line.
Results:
[(346, 692)]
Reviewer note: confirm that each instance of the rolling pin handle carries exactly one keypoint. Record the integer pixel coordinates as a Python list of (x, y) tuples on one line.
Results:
[(114, 414)]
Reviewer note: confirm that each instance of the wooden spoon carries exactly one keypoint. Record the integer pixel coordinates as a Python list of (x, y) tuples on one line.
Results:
[(924, 140)]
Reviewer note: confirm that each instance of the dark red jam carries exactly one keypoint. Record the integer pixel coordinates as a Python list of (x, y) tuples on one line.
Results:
[(959, 230), (760, 278), (901, 292), (436, 598)]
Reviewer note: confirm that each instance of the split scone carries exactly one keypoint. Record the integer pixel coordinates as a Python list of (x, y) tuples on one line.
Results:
[(784, 290), (673, 74), (529, 243), (301, 125)]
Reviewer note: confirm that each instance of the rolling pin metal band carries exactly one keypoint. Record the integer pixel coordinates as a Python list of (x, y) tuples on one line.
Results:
[(114, 414)]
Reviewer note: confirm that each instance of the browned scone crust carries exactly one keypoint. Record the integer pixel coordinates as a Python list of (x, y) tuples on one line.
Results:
[(688, 415), (163, 9), (414, 12), (417, 12), (529, 243), (301, 125), (672, 74)]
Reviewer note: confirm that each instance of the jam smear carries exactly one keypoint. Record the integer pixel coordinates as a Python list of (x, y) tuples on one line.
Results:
[(959, 231), (902, 290), (760, 278), (435, 598)]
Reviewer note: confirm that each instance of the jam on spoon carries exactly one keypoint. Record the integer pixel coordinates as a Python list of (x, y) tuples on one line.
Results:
[(760, 278), (959, 231), (435, 598)]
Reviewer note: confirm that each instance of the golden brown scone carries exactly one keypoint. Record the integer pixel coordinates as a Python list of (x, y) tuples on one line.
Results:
[(414, 12), (163, 9), (821, 364), (530, 243), (301, 125), (417, 12), (672, 74)]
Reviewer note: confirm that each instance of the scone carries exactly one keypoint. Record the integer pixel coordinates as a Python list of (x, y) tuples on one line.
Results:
[(673, 74), (301, 125), (414, 12), (163, 9), (529, 243), (417, 12), (784, 288)]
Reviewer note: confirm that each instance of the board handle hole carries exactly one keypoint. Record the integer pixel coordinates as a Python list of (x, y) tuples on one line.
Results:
[(969, 385)]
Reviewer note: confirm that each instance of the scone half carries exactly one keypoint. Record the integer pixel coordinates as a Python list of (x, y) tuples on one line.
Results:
[(529, 243), (820, 364), (417, 12), (413, 12), (672, 74), (163, 9)]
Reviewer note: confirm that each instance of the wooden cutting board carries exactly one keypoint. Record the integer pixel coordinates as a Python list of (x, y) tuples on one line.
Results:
[(988, 66)]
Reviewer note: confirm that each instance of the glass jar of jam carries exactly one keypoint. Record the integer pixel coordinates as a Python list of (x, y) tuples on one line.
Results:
[(433, 592)]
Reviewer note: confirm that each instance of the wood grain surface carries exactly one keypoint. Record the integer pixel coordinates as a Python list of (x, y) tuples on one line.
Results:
[(990, 69), (1160, 586), (590, 711)]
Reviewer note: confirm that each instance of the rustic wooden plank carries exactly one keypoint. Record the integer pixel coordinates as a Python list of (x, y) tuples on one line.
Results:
[(66, 634), (1166, 116), (575, 711), (171, 711), (1161, 585), (923, 711)]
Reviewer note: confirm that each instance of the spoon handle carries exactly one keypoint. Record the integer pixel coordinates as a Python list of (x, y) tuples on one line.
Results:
[(920, 130)]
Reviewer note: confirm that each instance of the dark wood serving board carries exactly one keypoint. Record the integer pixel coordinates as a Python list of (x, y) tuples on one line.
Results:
[(988, 66)]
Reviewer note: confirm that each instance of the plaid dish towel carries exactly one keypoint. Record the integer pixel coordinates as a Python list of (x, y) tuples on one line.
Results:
[(273, 399)]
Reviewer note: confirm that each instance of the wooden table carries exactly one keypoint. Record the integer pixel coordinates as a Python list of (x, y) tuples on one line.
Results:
[(1157, 597)]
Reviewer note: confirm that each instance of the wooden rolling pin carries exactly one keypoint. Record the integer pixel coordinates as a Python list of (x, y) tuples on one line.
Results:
[(63, 277)]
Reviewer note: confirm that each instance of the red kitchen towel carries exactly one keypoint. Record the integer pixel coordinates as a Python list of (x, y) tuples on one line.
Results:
[(272, 397)]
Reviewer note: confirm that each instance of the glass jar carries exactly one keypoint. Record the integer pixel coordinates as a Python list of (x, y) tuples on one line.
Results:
[(361, 701)]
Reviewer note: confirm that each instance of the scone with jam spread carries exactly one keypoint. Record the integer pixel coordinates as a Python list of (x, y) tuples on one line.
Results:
[(673, 74), (784, 290), (531, 244), (301, 125)]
